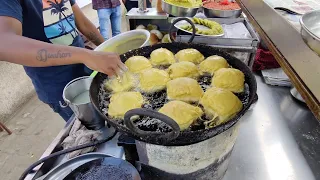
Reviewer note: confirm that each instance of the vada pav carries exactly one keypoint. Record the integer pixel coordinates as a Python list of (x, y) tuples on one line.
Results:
[(122, 102), (183, 113), (211, 64), (190, 55), (153, 80), (230, 79), (162, 57), (124, 82), (137, 64), (184, 89), (183, 69), (220, 105)]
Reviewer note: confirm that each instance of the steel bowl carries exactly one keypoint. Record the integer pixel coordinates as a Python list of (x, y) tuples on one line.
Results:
[(179, 11), (310, 30), (213, 13)]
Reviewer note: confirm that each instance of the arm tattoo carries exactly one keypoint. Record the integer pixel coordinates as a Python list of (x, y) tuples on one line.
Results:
[(94, 38), (43, 55)]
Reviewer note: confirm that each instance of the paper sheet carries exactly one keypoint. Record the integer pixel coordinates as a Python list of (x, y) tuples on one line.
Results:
[(236, 30), (299, 6), (276, 77)]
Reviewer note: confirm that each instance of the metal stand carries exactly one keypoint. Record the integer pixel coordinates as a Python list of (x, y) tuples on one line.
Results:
[(142, 5), (143, 11), (243, 48)]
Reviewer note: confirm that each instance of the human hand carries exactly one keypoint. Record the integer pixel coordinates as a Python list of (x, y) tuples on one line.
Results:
[(105, 62)]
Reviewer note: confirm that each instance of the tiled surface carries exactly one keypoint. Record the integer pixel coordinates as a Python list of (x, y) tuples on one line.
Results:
[(34, 126)]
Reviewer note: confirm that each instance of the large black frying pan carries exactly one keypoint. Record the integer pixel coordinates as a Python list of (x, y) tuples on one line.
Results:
[(175, 137)]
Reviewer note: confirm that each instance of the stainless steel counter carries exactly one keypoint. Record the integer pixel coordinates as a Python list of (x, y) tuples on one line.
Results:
[(298, 61), (278, 139)]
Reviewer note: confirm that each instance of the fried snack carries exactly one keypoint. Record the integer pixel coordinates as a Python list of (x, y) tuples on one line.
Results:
[(190, 55), (184, 89), (162, 56), (153, 80), (183, 113), (211, 64), (125, 82), (220, 105), (185, 3), (230, 79), (138, 63), (183, 69), (214, 27), (122, 102)]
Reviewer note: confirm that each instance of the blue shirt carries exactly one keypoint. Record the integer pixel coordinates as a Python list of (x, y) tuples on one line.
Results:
[(50, 21)]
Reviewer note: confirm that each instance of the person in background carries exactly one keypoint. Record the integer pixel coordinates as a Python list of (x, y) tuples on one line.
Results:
[(109, 13), (44, 36)]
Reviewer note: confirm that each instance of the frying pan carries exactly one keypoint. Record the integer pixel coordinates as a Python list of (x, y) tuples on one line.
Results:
[(175, 138), (105, 168)]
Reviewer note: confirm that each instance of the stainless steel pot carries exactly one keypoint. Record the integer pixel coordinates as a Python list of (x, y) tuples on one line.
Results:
[(179, 11), (84, 110), (310, 30), (208, 159), (212, 13)]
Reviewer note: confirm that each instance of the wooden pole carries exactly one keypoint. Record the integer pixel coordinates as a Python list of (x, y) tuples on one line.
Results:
[(2, 126)]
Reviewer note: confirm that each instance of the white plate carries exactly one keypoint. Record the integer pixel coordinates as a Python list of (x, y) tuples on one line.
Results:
[(201, 27)]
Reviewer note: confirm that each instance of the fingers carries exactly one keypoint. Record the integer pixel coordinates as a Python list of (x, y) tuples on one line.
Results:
[(110, 72), (117, 71), (120, 67), (123, 67), (111, 65), (113, 69)]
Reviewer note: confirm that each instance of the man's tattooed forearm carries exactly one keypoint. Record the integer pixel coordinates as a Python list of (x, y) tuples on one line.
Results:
[(94, 38), (43, 55)]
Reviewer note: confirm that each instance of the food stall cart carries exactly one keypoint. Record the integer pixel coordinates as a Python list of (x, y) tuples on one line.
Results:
[(279, 138)]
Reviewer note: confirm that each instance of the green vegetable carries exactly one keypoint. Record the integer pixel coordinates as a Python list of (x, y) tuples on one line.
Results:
[(196, 20), (151, 27), (199, 31), (207, 32), (185, 27), (214, 27), (166, 39), (207, 22)]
